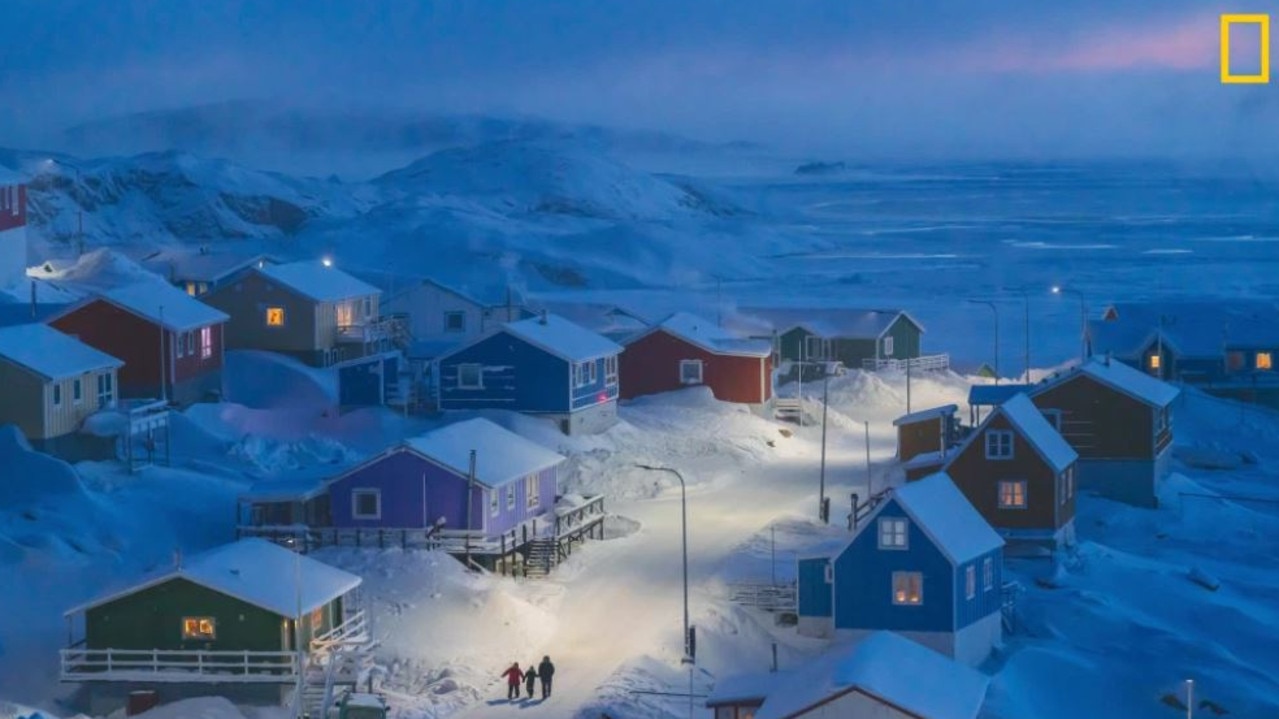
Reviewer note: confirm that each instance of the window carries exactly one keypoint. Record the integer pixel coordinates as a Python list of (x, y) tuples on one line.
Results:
[(690, 371), (206, 342), (1067, 485), (77, 391), (908, 588), (999, 444), (1012, 495), (494, 507), (1264, 361), (610, 369), (199, 628), (106, 391), (317, 618), (593, 371), (510, 496), (366, 504), (816, 348), (580, 376), (892, 533), (1054, 418), (57, 395), (532, 490), (1234, 361), (970, 581), (190, 338), (888, 346), (1154, 362), (470, 376), (830, 573), (1162, 420), (454, 321), (275, 317), (988, 573), (368, 307), (191, 289), (179, 344)]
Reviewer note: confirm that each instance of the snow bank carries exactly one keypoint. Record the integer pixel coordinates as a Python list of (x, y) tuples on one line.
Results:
[(198, 708), (266, 380), (30, 477)]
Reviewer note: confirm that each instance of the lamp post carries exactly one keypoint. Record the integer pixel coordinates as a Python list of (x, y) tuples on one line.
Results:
[(1083, 318), (683, 498), (297, 624), (821, 492), (993, 308), (1025, 297)]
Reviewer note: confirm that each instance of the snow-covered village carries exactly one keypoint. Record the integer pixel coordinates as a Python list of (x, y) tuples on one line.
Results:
[(609, 392)]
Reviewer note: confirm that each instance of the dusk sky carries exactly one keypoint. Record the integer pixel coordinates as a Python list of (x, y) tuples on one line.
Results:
[(907, 77)]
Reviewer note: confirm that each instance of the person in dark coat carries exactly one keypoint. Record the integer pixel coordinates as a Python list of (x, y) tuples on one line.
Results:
[(529, 677), (513, 677), (545, 672)]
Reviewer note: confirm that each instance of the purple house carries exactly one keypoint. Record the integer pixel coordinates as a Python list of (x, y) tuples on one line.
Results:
[(424, 480)]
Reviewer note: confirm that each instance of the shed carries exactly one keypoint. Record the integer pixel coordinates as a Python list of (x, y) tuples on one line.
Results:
[(685, 350)]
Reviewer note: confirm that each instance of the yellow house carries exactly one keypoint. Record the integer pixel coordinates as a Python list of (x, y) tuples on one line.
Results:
[(52, 381)]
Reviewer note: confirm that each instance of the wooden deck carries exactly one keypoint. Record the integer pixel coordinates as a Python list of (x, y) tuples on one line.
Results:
[(926, 363), (154, 665)]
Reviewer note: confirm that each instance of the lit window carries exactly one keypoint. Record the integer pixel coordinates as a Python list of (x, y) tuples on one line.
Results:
[(1264, 361), (970, 581), (610, 369), (1012, 495), (317, 617), (532, 490), (191, 289), (470, 376), (988, 573), (199, 628), (908, 588), (690, 371), (454, 321), (206, 342), (999, 444), (888, 346), (275, 317), (366, 504), (1154, 362), (892, 533)]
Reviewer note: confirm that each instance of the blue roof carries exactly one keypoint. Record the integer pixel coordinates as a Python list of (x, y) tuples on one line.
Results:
[(986, 395)]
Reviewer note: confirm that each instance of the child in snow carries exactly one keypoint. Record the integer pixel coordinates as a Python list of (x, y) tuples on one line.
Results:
[(513, 677), (545, 671), (529, 677)]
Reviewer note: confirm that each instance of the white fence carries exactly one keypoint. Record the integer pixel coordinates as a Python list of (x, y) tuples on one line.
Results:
[(769, 597), (927, 363), (161, 665)]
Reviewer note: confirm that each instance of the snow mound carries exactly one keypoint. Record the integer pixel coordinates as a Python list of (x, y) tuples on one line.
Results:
[(266, 380), (520, 178), (198, 708), (32, 477)]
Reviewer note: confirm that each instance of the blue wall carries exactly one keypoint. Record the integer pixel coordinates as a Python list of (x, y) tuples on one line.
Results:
[(864, 582), (814, 592), (520, 377), (595, 392), (986, 602)]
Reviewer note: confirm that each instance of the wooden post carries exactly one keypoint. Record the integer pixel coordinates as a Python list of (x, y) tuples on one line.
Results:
[(503, 555)]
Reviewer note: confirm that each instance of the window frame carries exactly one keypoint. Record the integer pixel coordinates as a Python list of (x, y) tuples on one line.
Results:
[(193, 629), (701, 372), (450, 314), (970, 582), (893, 528), (57, 394), (77, 391), (988, 573), (990, 440), (479, 375), (829, 573), (532, 491), (357, 494), (1013, 484), (889, 346), (610, 370), (510, 497), (495, 503), (823, 348), (1269, 361), (206, 343), (907, 575), (106, 390), (592, 371), (274, 312)]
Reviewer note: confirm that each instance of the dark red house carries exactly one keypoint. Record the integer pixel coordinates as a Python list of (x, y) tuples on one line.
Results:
[(1119, 420), (171, 343), (684, 350), (1020, 475)]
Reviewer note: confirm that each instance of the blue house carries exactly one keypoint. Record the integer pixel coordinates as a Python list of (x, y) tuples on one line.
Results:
[(924, 564), (544, 366)]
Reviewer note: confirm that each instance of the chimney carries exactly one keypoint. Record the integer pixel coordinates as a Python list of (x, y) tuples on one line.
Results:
[(542, 319)]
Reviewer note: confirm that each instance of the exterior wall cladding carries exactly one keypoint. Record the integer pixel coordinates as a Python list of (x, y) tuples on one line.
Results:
[(651, 364)]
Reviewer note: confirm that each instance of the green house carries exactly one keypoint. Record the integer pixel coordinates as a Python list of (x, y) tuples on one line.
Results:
[(236, 614), (857, 338)]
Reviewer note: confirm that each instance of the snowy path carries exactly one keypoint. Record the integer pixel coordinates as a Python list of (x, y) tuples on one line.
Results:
[(626, 601)]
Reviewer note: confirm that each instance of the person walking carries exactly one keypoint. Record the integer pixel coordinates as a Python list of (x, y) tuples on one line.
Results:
[(530, 676), (545, 672), (513, 677)]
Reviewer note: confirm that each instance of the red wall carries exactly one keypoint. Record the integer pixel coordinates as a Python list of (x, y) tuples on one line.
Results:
[(136, 341), (8, 218), (651, 365)]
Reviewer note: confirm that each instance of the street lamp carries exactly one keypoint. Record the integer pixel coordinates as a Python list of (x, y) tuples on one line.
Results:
[(1083, 318), (1025, 297), (683, 498), (993, 308)]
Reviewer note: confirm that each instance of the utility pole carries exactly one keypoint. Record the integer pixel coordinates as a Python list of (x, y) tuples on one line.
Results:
[(869, 489), (1025, 296), (821, 494), (163, 358), (470, 498), (907, 385)]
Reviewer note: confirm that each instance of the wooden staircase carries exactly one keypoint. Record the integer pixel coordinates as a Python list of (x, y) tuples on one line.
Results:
[(788, 409), (543, 555)]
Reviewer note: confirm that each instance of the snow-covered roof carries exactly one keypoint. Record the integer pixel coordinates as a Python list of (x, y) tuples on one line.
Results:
[(610, 320), (707, 335), (987, 395), (197, 266), (890, 668), (1031, 424), (501, 456), (322, 284), (946, 515), (562, 338), (164, 305), (284, 490), (742, 688), (1120, 377), (830, 322), (51, 354), (925, 459), (926, 414), (1191, 329), (254, 571), (9, 177)]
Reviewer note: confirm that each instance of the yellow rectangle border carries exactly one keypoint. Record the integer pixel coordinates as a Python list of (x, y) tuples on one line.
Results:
[(1260, 78)]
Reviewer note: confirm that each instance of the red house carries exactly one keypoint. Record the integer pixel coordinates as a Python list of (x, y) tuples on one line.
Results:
[(684, 350), (171, 343), (13, 228)]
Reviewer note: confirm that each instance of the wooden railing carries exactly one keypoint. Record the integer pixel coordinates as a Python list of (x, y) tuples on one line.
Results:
[(574, 519), (181, 665), (927, 363), (353, 631), (311, 538), (768, 597)]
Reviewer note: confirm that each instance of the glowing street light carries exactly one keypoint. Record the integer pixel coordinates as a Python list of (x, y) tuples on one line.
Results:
[(327, 261), (1083, 318)]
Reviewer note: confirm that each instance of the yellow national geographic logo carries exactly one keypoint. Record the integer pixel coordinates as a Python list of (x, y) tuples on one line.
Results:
[(1263, 75)]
